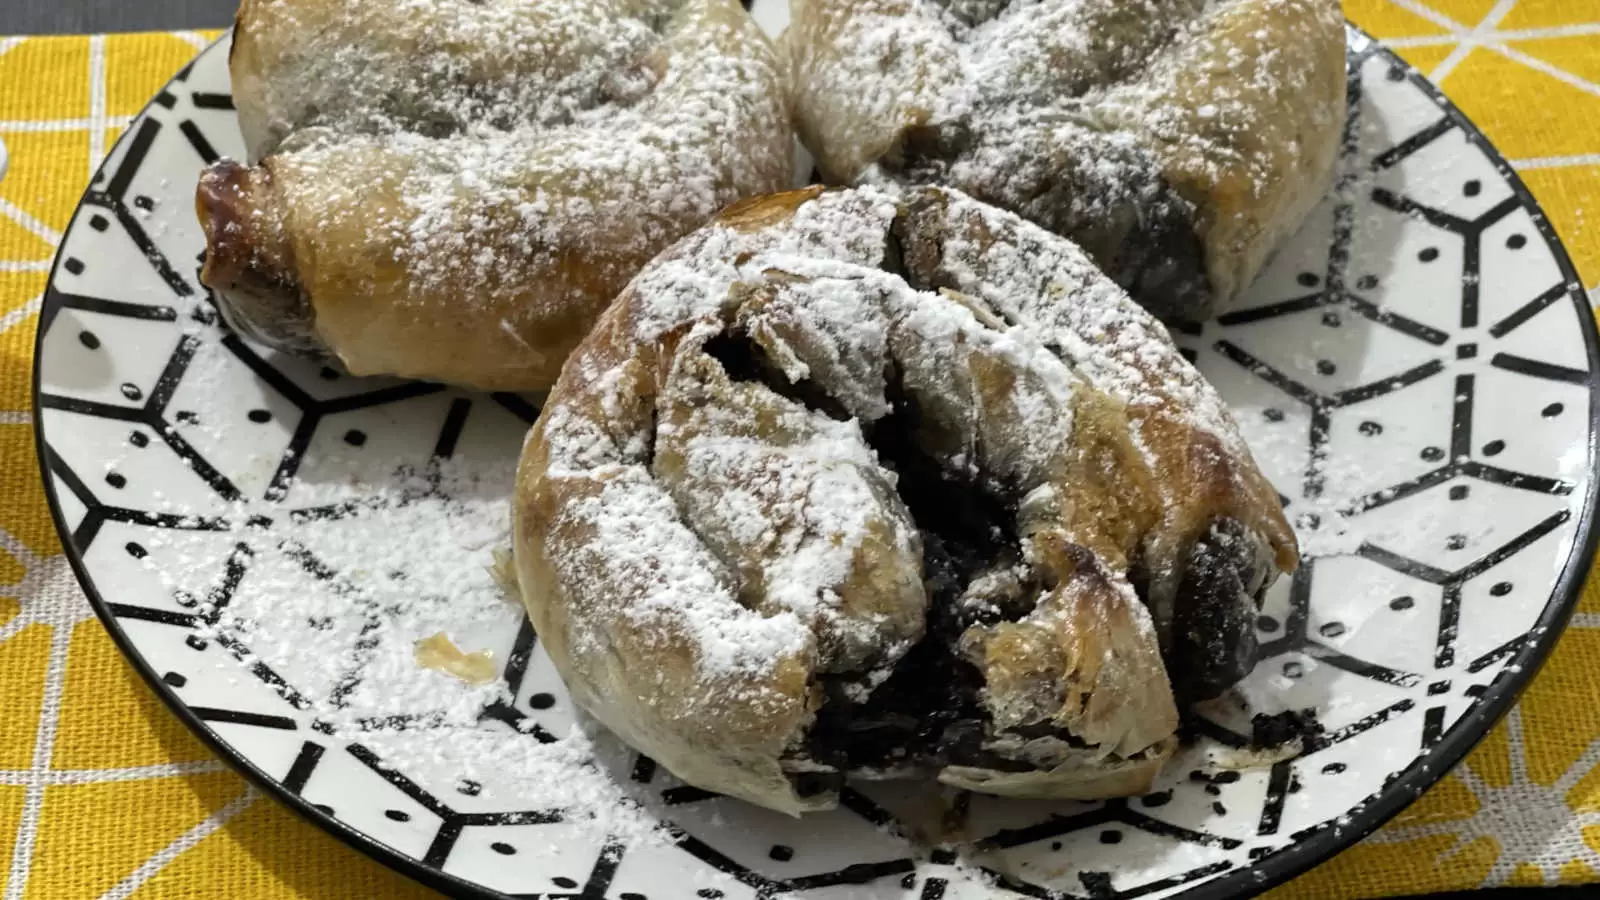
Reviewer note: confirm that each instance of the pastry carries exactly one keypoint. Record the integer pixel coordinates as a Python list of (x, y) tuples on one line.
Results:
[(452, 191), (1177, 141), (852, 485)]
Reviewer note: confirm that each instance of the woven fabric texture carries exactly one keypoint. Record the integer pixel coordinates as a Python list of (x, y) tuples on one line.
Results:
[(104, 794)]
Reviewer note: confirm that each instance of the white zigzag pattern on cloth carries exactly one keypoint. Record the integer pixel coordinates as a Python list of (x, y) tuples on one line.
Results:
[(1530, 823)]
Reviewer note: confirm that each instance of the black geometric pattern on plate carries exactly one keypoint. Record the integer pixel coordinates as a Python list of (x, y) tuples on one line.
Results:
[(1389, 399)]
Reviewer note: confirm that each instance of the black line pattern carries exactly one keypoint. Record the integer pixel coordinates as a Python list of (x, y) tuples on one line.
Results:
[(177, 125)]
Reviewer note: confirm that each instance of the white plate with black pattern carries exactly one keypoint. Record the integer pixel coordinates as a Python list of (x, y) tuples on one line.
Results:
[(1416, 372)]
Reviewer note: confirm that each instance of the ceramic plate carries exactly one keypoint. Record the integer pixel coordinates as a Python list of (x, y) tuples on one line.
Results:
[(1415, 371)]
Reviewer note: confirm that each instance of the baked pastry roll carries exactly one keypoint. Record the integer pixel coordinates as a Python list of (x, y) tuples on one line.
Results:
[(453, 191), (844, 485), (1177, 141)]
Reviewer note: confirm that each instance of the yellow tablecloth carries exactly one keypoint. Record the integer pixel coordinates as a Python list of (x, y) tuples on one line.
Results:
[(104, 794)]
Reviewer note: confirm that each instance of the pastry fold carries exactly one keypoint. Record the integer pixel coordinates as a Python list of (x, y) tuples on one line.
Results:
[(432, 206), (1179, 142), (852, 485)]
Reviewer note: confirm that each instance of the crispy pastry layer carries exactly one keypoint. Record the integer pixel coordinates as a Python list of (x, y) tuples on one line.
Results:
[(845, 485)]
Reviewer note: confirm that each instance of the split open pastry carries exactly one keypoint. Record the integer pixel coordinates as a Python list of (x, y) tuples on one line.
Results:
[(1179, 142), (846, 485), (454, 190)]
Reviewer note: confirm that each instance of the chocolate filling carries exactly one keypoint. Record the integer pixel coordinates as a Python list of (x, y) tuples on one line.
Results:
[(926, 714), (1209, 643), (926, 711), (1106, 195), (1212, 643)]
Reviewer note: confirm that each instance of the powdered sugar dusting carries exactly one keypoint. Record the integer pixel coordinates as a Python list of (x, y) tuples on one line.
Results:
[(795, 512), (657, 575), (692, 279), (354, 65), (758, 515), (326, 591), (1032, 277), (519, 180), (1178, 142)]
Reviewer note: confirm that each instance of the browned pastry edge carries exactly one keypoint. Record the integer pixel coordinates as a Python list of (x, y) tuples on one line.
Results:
[(249, 263), (1185, 215), (748, 744)]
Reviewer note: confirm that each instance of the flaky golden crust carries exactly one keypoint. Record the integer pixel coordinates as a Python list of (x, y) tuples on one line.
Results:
[(643, 682), (1179, 142), (1205, 471), (1257, 111), (728, 528), (435, 67), (479, 253)]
